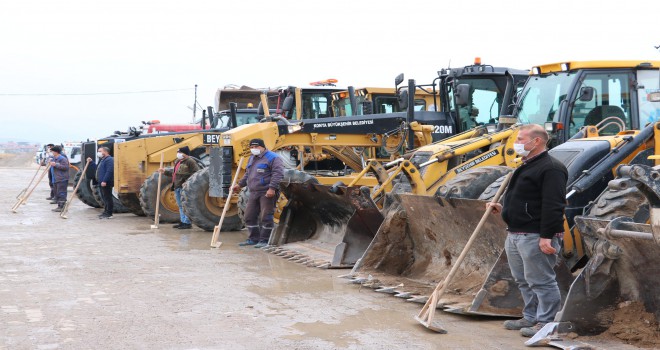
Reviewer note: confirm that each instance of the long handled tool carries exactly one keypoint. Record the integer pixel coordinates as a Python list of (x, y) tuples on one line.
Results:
[(30, 184), (24, 198), (425, 316), (160, 176), (75, 189), (216, 230)]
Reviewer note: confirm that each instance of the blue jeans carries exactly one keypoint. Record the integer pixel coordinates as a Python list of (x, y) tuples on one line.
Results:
[(534, 273), (177, 195)]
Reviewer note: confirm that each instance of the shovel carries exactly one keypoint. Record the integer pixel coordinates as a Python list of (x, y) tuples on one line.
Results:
[(73, 195), (216, 230), (24, 198), (160, 176), (425, 316), (30, 184)]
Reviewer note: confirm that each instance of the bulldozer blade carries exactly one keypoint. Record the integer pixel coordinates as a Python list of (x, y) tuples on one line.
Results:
[(624, 266), (420, 239), (334, 228)]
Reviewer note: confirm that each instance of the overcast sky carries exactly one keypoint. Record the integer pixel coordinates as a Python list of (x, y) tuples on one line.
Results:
[(53, 52)]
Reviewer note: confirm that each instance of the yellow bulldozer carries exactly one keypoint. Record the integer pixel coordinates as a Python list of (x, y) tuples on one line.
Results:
[(594, 112), (335, 223)]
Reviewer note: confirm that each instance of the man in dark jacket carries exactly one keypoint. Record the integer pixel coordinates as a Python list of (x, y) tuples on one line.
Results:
[(105, 176), (184, 168), (533, 209), (47, 157), (59, 168), (263, 174)]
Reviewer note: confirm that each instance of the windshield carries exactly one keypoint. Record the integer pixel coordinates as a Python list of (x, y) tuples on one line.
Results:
[(242, 118), (484, 101), (541, 96)]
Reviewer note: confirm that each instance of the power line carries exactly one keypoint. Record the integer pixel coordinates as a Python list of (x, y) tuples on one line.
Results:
[(99, 93)]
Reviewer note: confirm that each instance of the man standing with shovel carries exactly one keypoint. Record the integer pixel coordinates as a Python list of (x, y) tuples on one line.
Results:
[(533, 209), (59, 168)]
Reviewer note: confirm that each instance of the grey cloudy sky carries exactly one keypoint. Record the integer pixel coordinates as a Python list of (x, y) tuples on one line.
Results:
[(53, 49)]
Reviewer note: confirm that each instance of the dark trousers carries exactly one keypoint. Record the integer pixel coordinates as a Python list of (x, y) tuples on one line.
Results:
[(60, 189), (259, 216), (52, 185), (106, 195)]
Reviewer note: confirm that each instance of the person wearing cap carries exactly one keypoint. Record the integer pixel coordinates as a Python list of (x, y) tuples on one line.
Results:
[(46, 158), (262, 177), (105, 176), (59, 168), (184, 168)]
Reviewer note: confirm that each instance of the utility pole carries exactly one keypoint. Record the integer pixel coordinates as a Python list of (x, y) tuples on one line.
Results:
[(195, 105)]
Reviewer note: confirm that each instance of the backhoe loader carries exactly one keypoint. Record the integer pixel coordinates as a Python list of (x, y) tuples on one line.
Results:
[(340, 231), (421, 235)]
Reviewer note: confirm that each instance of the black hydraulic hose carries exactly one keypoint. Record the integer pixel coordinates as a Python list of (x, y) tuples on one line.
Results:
[(352, 100), (232, 114), (616, 155)]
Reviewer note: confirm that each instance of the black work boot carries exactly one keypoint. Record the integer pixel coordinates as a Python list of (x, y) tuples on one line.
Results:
[(60, 206)]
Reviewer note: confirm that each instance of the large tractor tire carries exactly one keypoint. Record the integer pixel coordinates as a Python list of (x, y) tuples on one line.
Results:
[(612, 204), (203, 210), (85, 191), (472, 183), (169, 210), (117, 206)]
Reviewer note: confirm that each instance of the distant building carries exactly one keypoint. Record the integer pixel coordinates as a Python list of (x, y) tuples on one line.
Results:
[(18, 147)]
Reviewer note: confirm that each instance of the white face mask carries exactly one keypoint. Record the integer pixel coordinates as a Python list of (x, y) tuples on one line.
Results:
[(179, 155), (520, 148), (100, 154), (255, 151)]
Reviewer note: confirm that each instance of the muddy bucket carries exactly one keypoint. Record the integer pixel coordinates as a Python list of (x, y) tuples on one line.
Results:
[(325, 226)]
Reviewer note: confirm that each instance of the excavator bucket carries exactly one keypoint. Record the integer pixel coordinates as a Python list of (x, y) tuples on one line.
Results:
[(622, 276), (324, 226), (418, 242)]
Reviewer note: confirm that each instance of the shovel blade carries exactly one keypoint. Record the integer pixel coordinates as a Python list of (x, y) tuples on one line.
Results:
[(435, 326)]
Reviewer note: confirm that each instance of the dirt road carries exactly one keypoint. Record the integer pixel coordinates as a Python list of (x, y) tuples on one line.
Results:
[(85, 283)]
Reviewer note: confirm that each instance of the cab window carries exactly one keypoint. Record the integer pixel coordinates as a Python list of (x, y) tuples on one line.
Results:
[(611, 98)]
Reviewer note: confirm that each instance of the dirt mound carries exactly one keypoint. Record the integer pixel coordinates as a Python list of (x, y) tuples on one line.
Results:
[(12, 160), (632, 324)]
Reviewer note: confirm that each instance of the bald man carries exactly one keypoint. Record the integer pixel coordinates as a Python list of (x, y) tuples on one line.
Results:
[(533, 209)]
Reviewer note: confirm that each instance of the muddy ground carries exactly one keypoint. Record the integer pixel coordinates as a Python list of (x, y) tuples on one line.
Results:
[(85, 283)]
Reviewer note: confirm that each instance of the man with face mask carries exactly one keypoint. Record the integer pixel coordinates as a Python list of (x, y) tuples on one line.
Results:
[(263, 174), (184, 168), (533, 209)]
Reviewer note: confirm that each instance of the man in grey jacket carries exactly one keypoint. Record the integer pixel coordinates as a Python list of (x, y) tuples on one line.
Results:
[(59, 167), (262, 177)]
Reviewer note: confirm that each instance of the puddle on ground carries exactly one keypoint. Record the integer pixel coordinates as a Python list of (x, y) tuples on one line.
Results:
[(347, 330)]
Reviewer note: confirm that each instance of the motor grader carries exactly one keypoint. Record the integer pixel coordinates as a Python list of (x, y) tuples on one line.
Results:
[(421, 235), (340, 230)]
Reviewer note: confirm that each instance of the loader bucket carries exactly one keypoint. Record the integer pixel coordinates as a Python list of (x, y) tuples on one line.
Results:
[(325, 226), (624, 267), (419, 240)]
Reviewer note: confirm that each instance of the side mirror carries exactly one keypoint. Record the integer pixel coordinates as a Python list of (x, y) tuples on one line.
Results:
[(398, 80), (402, 96), (260, 110), (287, 105), (653, 97), (586, 94), (462, 94)]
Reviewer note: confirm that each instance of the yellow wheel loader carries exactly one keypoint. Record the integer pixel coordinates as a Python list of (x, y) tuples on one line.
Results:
[(421, 236), (336, 223)]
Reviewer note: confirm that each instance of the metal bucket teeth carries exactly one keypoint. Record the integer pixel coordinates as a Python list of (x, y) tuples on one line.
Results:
[(347, 276), (358, 280), (388, 290), (404, 295), (324, 265), (420, 299)]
